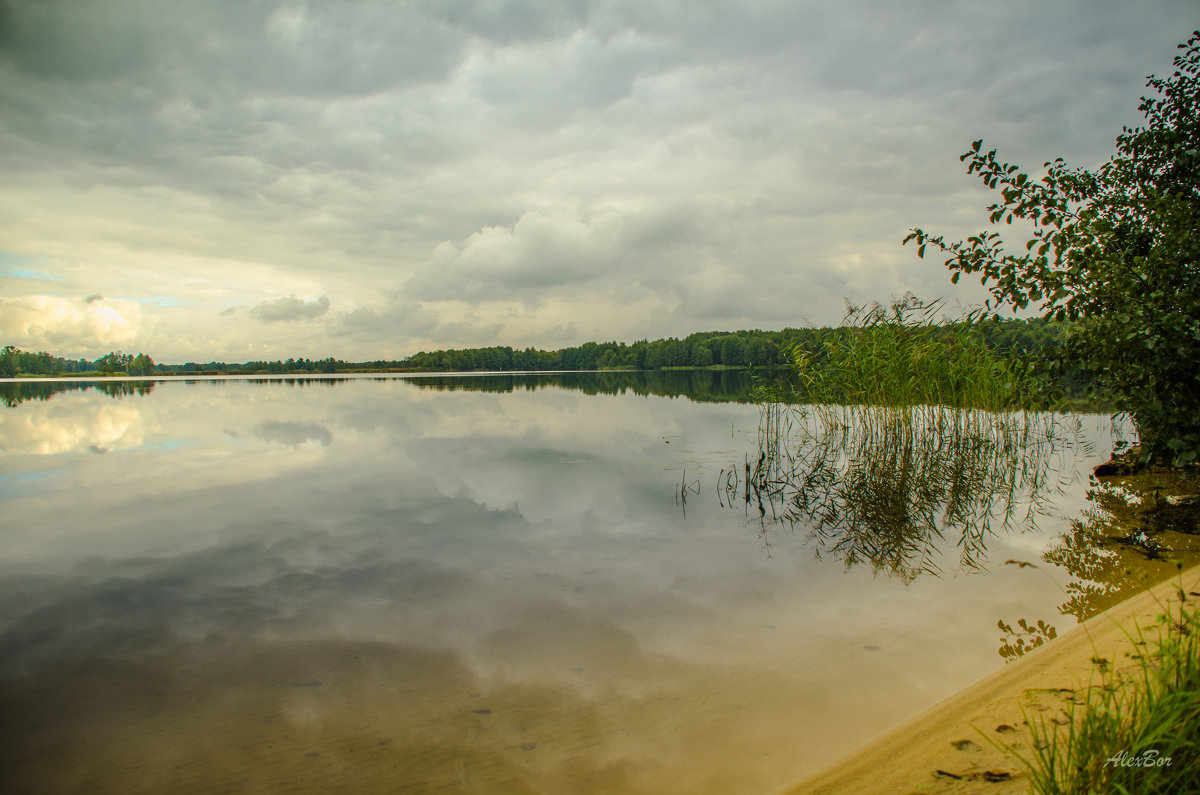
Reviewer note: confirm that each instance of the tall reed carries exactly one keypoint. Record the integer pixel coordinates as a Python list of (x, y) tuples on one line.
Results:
[(904, 355)]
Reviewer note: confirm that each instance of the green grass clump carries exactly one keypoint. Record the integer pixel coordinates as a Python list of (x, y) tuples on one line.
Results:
[(902, 355), (1132, 733)]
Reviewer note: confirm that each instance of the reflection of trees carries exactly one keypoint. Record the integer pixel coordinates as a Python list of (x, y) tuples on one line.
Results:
[(14, 393), (1127, 540), (1098, 568), (119, 389), (724, 386), (890, 486), (696, 385)]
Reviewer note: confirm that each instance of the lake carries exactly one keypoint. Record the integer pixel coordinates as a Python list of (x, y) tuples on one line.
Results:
[(539, 583)]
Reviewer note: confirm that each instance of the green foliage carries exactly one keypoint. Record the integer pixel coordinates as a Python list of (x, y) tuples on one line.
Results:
[(901, 355), (1116, 250), (16, 362), (702, 349), (8, 362), (702, 355), (117, 363), (141, 365)]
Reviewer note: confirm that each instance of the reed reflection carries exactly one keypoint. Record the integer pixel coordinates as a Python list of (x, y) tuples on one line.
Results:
[(893, 486)]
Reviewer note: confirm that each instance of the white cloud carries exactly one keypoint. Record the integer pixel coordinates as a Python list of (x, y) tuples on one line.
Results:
[(110, 425), (69, 327), (541, 250)]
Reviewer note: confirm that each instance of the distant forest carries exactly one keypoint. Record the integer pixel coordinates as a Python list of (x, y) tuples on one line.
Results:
[(737, 349)]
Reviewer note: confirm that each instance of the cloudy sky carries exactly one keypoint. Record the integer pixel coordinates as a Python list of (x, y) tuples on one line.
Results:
[(242, 180)]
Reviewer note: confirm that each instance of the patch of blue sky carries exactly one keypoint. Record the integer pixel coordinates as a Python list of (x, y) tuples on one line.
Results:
[(165, 444), (24, 274), (19, 265), (25, 484)]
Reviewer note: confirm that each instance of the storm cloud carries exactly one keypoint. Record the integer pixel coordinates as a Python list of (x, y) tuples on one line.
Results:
[(449, 173)]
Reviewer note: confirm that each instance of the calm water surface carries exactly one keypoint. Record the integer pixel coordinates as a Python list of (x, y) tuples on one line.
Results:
[(426, 585)]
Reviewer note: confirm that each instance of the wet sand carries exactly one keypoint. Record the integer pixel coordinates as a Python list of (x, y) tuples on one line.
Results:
[(949, 747)]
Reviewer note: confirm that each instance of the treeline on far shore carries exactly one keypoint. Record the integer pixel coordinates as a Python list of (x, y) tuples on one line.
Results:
[(737, 349)]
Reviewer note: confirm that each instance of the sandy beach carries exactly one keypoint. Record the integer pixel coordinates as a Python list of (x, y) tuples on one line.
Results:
[(953, 747)]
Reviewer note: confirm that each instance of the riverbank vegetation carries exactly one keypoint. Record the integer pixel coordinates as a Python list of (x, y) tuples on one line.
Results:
[(1132, 731)]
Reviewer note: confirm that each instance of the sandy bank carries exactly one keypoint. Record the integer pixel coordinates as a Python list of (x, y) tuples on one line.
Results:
[(942, 749)]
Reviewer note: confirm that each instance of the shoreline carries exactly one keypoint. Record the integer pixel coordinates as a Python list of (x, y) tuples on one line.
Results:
[(948, 747)]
